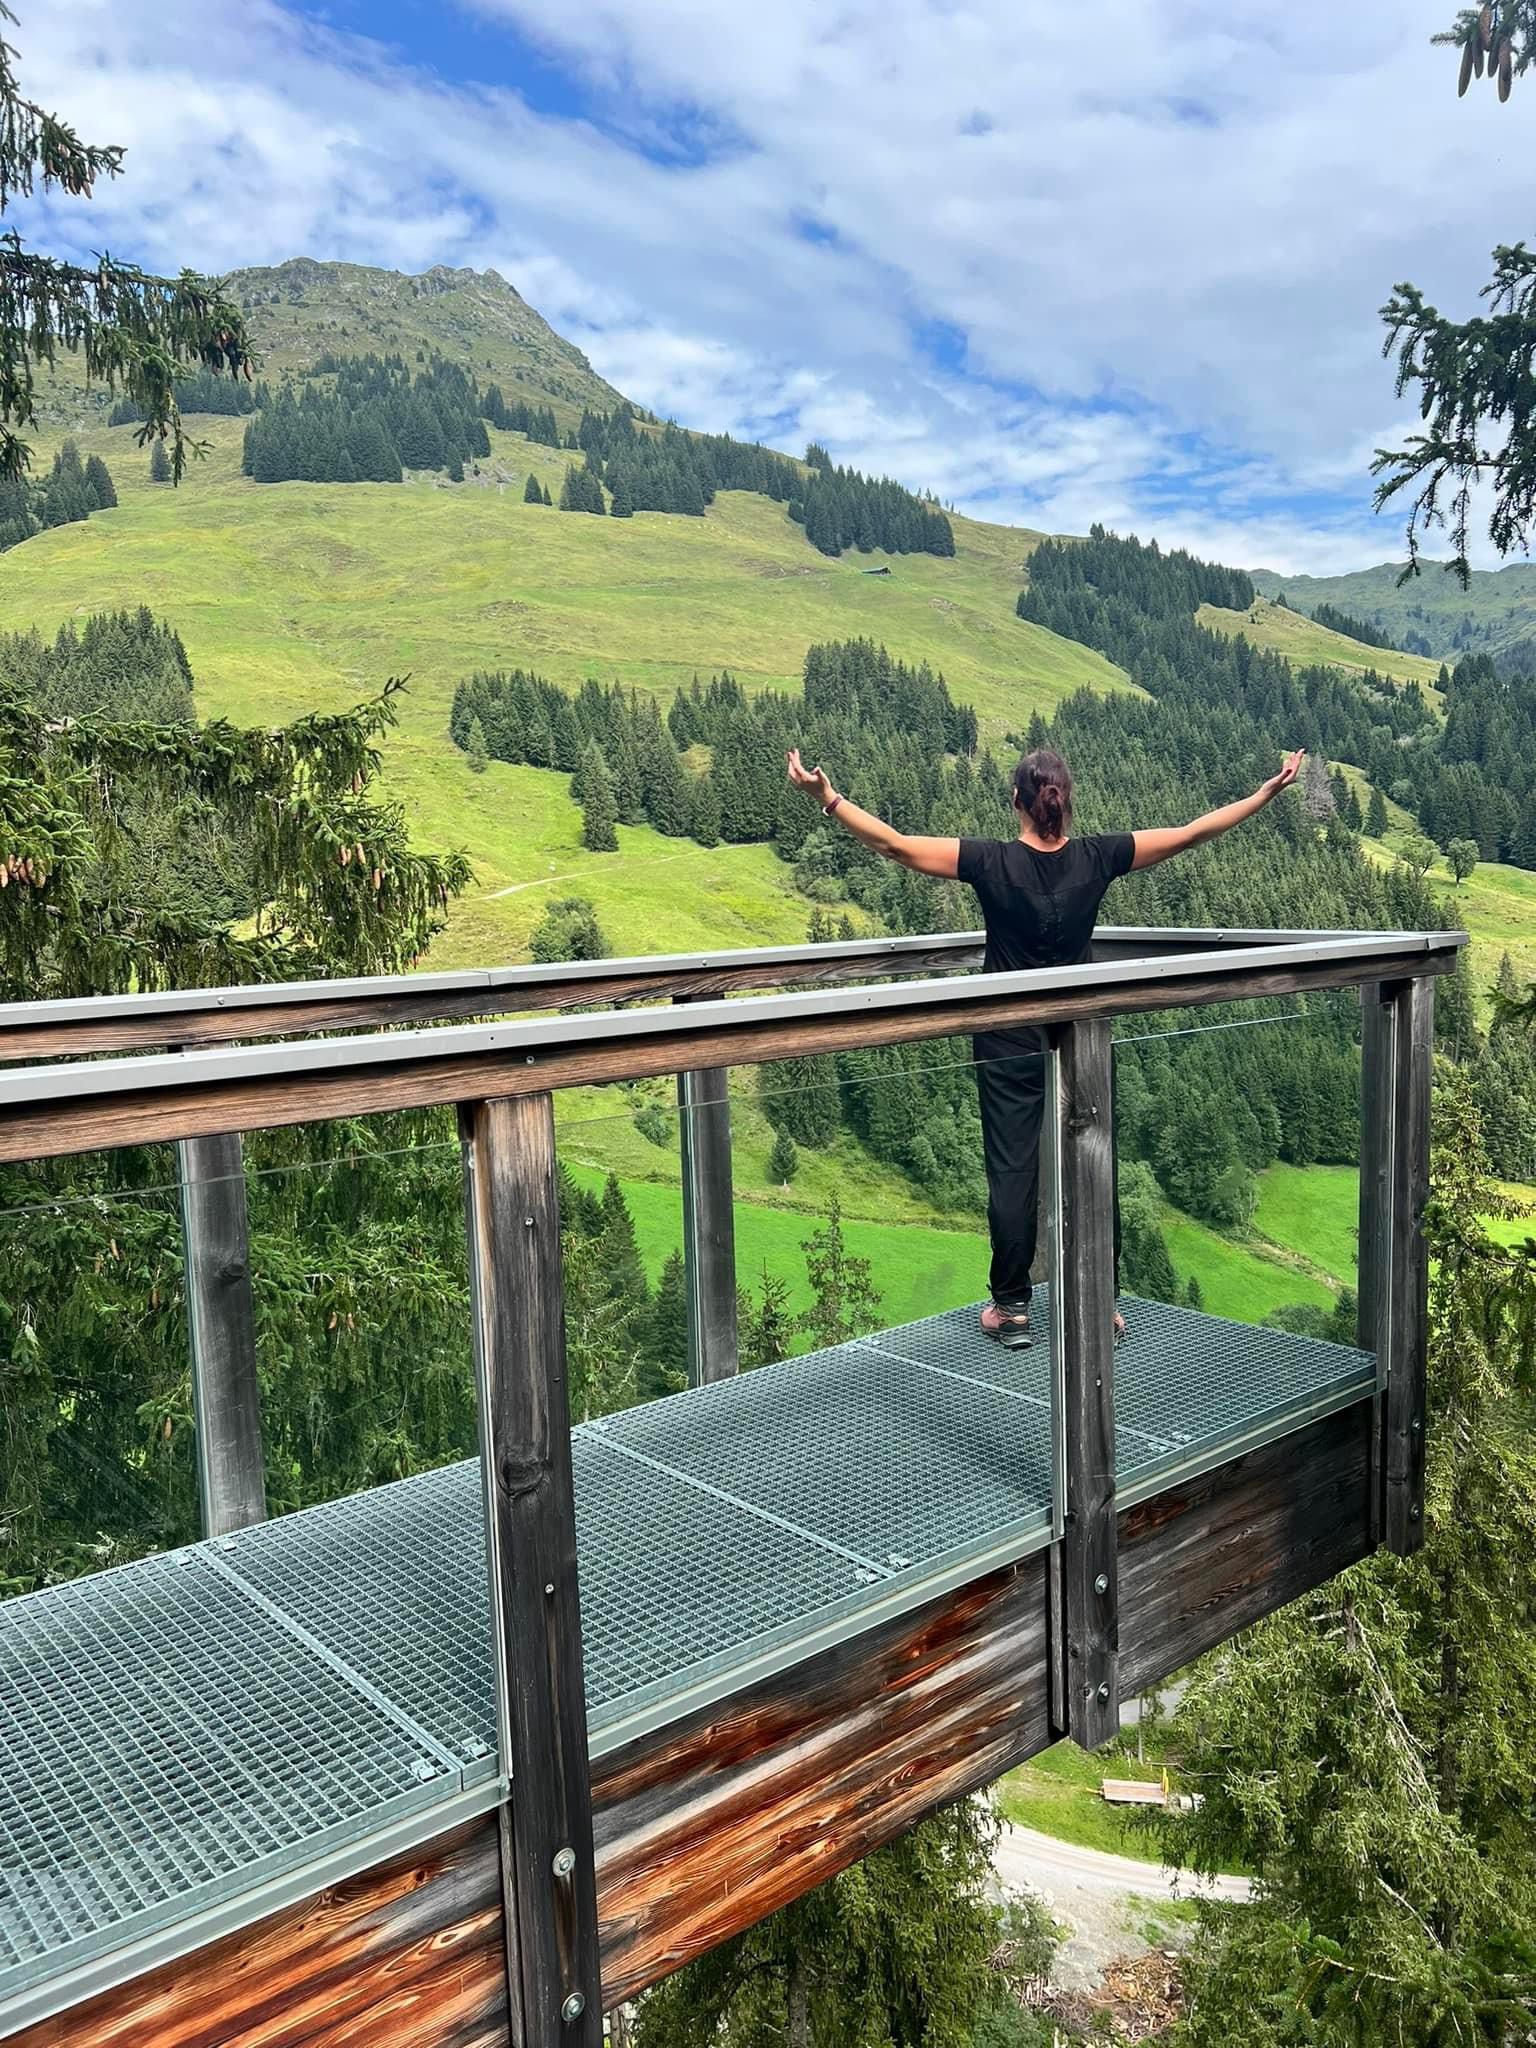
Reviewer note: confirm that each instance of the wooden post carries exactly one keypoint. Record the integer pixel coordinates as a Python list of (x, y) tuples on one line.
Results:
[(709, 1223), (549, 1890), (1373, 1266), (221, 1331), (1086, 1284), (1407, 1309)]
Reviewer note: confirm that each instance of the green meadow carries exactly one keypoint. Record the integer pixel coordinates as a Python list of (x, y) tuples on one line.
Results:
[(295, 598), (1302, 641)]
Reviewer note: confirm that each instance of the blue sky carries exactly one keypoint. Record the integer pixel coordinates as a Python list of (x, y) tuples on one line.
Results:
[(1058, 272)]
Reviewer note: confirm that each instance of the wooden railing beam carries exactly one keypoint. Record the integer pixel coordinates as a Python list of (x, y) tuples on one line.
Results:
[(1089, 1635), (221, 1334), (548, 1881), (53, 1111), (75, 1026)]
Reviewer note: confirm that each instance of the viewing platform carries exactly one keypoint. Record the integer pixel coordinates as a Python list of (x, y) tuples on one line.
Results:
[(360, 1773)]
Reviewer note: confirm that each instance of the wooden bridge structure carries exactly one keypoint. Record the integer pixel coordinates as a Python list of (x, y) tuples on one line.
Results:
[(473, 1758)]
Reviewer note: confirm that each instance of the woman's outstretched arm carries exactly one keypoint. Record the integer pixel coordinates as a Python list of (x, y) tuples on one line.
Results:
[(927, 856), (1151, 847)]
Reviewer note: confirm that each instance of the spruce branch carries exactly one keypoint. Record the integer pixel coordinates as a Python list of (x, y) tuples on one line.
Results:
[(135, 331)]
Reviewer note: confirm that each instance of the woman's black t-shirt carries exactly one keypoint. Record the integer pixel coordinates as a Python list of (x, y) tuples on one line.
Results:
[(1040, 908)]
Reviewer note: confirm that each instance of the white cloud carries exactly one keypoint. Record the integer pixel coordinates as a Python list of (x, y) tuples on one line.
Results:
[(1153, 239)]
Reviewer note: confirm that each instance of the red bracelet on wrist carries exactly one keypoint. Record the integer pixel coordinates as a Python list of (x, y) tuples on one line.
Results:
[(828, 809)]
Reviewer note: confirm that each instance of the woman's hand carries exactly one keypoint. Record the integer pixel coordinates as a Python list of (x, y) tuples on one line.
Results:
[(1285, 777), (814, 781)]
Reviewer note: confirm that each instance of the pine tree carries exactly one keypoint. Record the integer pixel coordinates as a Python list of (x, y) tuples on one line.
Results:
[(136, 332), (599, 813), (664, 1365), (846, 1301), (99, 481), (160, 466), (765, 1325), (1396, 1903), (547, 498), (456, 471), (1194, 1293), (474, 746), (783, 1160), (666, 789), (1376, 816), (533, 491), (623, 1268), (704, 812)]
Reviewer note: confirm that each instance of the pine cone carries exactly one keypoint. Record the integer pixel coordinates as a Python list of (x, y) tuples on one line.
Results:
[(1466, 70), (1477, 58), (1485, 27), (1506, 67)]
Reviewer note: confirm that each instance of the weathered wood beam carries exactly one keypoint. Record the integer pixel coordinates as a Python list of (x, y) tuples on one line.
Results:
[(512, 1205), (705, 1826), (709, 1222), (1407, 1311), (1085, 1377), (96, 1107), (221, 1333), (1374, 1260), (408, 1954), (201, 1017), (1216, 1553)]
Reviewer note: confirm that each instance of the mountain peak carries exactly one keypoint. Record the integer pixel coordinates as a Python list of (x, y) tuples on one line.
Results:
[(306, 308)]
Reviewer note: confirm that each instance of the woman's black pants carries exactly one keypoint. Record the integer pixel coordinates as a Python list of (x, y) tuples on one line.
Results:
[(1011, 1086)]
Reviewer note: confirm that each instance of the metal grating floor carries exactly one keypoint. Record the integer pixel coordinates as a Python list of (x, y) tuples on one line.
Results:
[(179, 1730)]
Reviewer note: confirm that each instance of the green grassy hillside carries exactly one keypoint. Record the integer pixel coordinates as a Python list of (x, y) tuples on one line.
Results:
[(1302, 641), (1496, 610), (302, 597)]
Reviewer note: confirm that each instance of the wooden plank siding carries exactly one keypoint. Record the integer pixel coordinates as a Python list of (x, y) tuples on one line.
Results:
[(706, 1826)]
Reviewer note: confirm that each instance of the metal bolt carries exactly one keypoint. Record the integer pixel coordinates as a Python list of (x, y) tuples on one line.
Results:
[(549, 1592), (1416, 1426), (527, 1223), (1087, 1692), (564, 1862), (1413, 1512), (1104, 1690), (573, 2007), (1101, 1583), (528, 1061)]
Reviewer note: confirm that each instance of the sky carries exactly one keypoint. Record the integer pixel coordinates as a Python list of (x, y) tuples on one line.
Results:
[(1056, 264)]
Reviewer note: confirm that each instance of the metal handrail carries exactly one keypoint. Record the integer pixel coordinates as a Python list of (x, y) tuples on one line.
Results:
[(60, 1026), (136, 1098)]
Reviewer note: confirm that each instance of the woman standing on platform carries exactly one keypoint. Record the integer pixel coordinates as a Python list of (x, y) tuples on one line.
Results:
[(1040, 894)]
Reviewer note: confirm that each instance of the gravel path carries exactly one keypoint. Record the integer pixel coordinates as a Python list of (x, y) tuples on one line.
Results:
[(1105, 1901)]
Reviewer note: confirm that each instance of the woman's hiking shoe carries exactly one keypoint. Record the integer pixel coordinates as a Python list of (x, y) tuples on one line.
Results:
[(1005, 1326)]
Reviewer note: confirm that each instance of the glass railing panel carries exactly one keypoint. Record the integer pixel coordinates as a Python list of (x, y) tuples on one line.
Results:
[(1238, 1145), (339, 1650), (871, 1445), (360, 1283), (97, 1448)]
